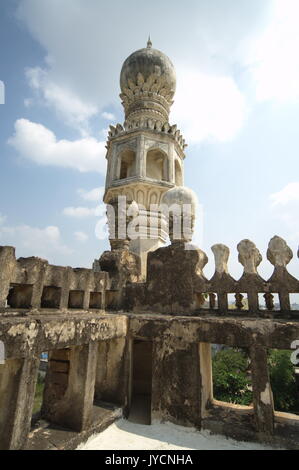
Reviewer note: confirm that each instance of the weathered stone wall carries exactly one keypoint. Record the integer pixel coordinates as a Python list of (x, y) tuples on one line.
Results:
[(32, 283), (91, 350)]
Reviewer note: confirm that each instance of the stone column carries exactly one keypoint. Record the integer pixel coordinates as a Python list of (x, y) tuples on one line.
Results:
[(112, 378), (176, 382), (114, 161), (17, 389), (171, 163), (206, 375), (69, 387), (141, 157), (262, 394)]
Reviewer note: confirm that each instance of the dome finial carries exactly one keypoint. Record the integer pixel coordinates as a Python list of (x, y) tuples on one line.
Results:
[(149, 42)]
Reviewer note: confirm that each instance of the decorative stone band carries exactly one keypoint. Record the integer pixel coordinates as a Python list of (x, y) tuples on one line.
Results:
[(147, 124), (151, 93)]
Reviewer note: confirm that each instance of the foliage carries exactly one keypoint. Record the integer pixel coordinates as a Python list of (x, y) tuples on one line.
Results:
[(283, 382), (231, 381)]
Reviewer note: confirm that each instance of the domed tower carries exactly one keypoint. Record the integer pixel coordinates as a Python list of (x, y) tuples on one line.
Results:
[(145, 155)]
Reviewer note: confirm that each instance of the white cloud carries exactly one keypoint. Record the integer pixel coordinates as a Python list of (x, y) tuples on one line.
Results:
[(274, 55), (208, 102), (2, 219), (95, 194), (108, 116), (289, 194), (81, 236), (82, 212), (39, 144), (67, 105), (208, 106), (285, 207), (33, 241)]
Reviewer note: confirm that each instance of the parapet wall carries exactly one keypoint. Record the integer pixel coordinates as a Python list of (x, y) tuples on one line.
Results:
[(32, 283), (176, 283)]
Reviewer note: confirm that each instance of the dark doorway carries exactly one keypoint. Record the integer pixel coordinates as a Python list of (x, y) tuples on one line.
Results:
[(140, 411)]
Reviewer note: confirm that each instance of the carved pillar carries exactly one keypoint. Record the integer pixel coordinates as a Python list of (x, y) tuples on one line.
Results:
[(141, 157)]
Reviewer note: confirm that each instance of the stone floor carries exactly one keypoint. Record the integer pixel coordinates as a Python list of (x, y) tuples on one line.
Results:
[(126, 435)]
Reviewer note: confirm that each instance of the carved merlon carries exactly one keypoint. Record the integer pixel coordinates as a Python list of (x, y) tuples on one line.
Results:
[(279, 253), (221, 255), (249, 256)]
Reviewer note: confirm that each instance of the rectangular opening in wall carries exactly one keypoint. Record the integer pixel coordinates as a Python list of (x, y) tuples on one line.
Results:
[(269, 301), (232, 381), (76, 299), (95, 300), (140, 410), (56, 381), (111, 299), (40, 385), (20, 296), (51, 297), (206, 301), (284, 379), (294, 301), (237, 301)]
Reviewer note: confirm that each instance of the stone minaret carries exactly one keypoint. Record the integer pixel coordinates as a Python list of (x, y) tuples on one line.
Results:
[(145, 155)]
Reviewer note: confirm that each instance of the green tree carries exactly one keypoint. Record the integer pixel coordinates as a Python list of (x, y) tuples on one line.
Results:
[(283, 382), (231, 381)]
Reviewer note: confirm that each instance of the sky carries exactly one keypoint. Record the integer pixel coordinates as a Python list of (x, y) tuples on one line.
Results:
[(237, 105)]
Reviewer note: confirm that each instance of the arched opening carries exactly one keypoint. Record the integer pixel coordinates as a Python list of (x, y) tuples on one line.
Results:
[(178, 174), (156, 165), (127, 164)]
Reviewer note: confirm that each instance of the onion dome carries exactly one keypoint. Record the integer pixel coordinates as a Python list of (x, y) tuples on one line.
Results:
[(148, 84)]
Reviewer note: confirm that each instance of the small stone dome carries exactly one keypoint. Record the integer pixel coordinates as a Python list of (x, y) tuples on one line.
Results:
[(180, 195)]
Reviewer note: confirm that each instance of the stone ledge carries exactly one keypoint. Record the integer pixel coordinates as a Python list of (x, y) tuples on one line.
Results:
[(45, 436)]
